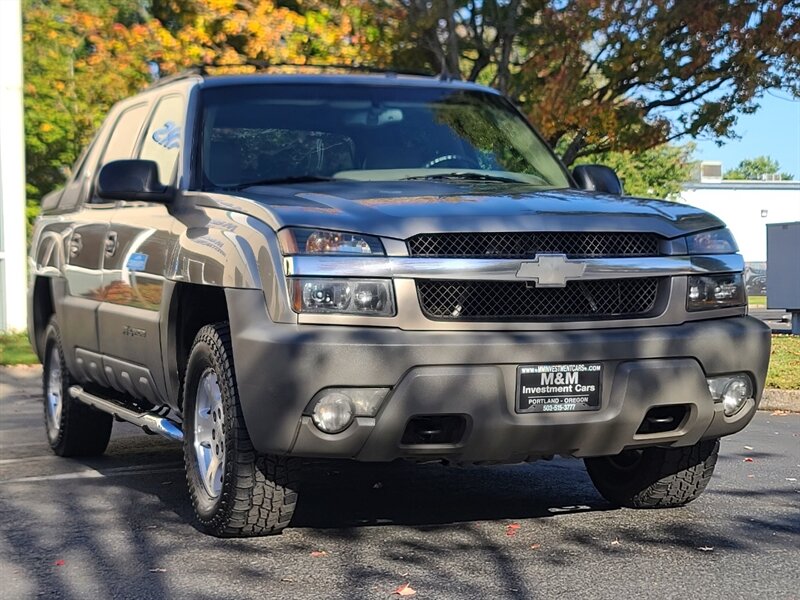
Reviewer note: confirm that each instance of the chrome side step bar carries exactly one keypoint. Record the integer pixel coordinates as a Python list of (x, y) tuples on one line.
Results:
[(148, 421)]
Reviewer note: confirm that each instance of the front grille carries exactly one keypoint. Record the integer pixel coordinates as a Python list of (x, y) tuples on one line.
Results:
[(529, 244), (520, 301)]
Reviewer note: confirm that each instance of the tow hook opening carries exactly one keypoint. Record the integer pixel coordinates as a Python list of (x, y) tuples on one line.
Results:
[(435, 429), (661, 419)]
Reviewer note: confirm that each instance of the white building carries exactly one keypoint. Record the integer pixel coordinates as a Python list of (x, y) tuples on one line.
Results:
[(747, 207), (13, 282)]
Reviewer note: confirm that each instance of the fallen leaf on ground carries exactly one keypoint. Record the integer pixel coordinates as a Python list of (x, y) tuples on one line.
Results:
[(616, 542), (748, 447), (319, 553), (511, 530), (706, 548), (779, 413), (158, 570), (60, 562), (748, 459), (535, 546), (404, 590)]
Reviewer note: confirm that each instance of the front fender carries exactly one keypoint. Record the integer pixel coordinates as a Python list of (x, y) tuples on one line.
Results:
[(230, 249)]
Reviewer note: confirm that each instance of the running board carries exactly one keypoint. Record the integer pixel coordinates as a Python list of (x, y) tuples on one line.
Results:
[(148, 421)]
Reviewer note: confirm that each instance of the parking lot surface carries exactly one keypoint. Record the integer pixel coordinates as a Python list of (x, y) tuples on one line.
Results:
[(120, 526)]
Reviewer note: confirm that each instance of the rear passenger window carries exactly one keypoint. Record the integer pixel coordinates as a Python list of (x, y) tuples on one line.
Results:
[(164, 136), (122, 142), (77, 169)]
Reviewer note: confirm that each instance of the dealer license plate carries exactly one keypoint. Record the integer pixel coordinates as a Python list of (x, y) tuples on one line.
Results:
[(559, 388)]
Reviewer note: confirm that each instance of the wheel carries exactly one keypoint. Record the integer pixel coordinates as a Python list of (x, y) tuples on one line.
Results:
[(655, 477), (235, 491), (73, 429)]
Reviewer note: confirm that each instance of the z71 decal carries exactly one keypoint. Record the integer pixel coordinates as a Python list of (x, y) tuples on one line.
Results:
[(168, 136)]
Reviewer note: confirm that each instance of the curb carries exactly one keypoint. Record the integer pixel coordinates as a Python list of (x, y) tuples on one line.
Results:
[(788, 400)]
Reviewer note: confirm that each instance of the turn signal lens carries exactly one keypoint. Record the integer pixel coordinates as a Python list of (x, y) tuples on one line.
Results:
[(319, 241), (717, 241)]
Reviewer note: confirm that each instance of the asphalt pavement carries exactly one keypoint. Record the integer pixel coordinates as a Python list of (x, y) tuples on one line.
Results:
[(120, 526), (779, 320)]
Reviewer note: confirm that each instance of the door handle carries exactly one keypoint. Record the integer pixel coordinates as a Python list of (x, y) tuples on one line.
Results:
[(75, 245), (111, 243)]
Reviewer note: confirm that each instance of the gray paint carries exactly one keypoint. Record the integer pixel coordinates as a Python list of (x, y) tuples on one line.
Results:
[(401, 209), (118, 316), (279, 368)]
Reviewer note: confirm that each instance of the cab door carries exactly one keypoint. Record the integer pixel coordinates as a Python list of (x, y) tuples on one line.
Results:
[(83, 275), (85, 243), (135, 263)]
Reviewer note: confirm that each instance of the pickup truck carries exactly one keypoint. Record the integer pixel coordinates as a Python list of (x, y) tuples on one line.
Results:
[(272, 268)]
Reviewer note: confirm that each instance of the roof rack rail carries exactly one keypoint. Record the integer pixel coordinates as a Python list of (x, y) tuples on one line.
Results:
[(207, 68), (185, 74)]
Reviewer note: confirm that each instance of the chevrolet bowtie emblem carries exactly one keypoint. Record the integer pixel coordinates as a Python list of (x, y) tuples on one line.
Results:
[(551, 270)]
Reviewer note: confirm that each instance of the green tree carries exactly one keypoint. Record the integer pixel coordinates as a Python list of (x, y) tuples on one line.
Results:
[(756, 168), (654, 173), (77, 63), (603, 75), (82, 56)]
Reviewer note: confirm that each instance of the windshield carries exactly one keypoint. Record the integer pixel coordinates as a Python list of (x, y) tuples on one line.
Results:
[(263, 134)]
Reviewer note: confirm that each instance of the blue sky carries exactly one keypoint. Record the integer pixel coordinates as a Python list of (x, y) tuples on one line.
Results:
[(774, 130)]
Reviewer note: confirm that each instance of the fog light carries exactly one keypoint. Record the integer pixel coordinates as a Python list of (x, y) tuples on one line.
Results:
[(333, 409), (736, 394), (333, 413), (732, 390)]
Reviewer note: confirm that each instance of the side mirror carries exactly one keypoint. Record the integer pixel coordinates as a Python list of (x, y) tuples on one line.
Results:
[(132, 180), (598, 178)]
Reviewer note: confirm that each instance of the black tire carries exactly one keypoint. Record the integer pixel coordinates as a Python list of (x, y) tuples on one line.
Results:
[(77, 430), (655, 477), (258, 493)]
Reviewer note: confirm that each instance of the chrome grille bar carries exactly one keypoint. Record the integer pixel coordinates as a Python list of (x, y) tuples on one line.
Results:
[(489, 269)]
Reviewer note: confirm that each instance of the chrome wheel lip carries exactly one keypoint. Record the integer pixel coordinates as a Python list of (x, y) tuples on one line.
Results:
[(209, 433), (53, 398)]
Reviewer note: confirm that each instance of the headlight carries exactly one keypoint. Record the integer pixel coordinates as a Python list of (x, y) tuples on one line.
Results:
[(715, 291), (370, 297), (320, 241), (717, 241)]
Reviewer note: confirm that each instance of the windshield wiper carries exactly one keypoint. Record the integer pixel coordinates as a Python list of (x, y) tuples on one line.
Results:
[(465, 176), (281, 180)]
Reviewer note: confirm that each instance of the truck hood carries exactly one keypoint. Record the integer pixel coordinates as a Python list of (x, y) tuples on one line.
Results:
[(402, 209)]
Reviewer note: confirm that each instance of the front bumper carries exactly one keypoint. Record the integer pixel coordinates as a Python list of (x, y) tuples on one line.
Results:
[(279, 368)]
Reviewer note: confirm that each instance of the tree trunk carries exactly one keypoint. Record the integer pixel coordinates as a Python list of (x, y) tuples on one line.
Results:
[(574, 147)]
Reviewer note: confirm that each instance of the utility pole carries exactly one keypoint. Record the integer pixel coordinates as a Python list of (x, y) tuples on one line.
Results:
[(13, 248)]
